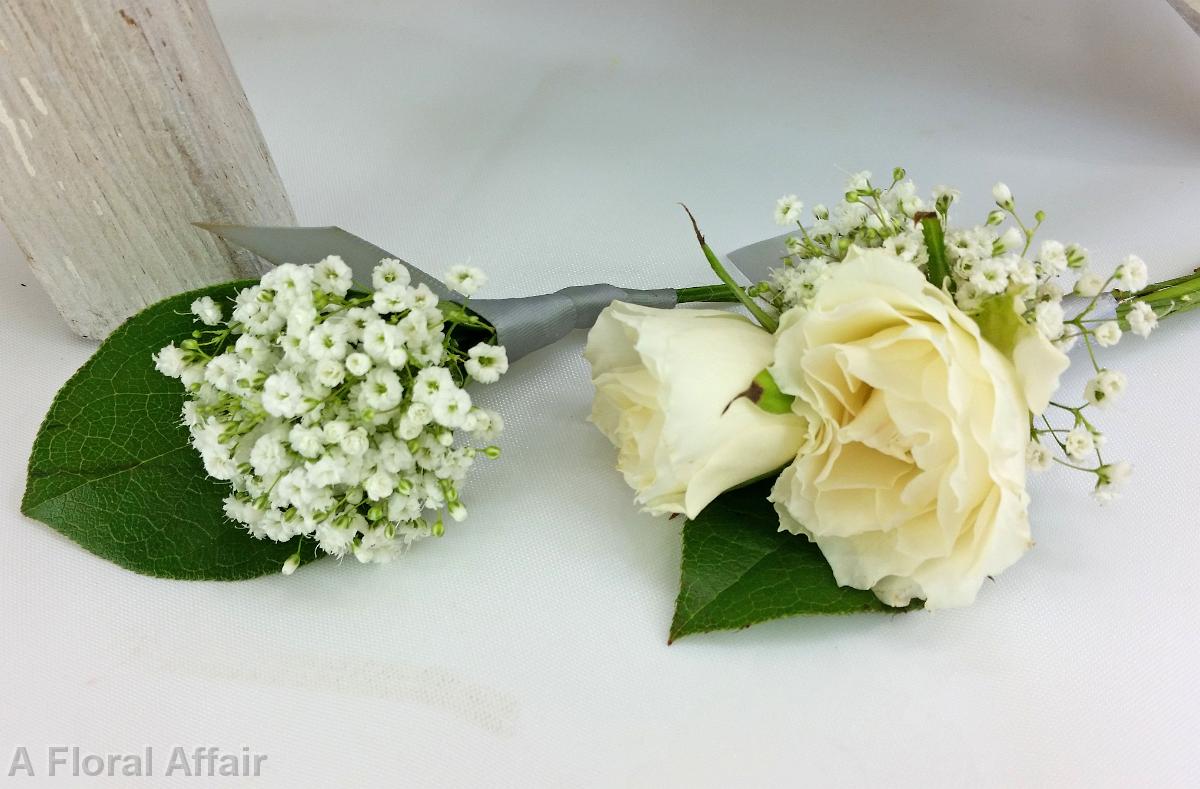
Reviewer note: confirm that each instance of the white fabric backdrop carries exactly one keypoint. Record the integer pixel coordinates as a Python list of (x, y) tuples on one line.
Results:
[(549, 143)]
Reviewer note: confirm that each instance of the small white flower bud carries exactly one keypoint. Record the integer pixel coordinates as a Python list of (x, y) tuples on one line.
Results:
[(1012, 239), (1037, 457), (1049, 318), (1104, 388), (206, 311), (1107, 334), (1089, 284), (1079, 443), (787, 210), (1109, 479), (358, 363), (859, 182), (291, 564), (1142, 319), (1002, 194), (1131, 274), (397, 358), (1077, 256)]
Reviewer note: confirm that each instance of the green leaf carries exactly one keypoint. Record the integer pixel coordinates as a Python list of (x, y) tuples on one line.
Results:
[(938, 268), (738, 570), (112, 469), (1000, 323), (768, 322), (768, 396)]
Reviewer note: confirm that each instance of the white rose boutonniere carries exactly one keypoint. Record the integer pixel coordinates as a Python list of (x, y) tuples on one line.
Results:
[(908, 369), (917, 489), (667, 396)]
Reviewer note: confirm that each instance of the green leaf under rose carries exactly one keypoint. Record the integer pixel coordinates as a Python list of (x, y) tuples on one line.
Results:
[(738, 569)]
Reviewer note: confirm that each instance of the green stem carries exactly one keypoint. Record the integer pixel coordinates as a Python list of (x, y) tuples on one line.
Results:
[(1166, 298), (938, 268), (705, 293), (1087, 341), (766, 321), (1167, 292), (1072, 465), (1155, 287)]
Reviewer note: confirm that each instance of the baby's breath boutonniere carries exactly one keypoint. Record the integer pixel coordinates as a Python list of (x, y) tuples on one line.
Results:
[(326, 409)]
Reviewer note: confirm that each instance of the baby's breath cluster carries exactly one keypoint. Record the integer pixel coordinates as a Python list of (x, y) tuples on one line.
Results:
[(993, 269), (336, 414)]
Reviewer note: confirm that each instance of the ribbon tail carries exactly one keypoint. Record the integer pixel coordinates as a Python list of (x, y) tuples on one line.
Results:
[(310, 244)]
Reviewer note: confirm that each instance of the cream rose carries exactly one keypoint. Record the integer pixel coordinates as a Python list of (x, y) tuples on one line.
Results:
[(667, 385), (916, 488)]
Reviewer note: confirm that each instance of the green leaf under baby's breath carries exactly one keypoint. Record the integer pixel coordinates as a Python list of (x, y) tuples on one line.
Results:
[(112, 468), (738, 570)]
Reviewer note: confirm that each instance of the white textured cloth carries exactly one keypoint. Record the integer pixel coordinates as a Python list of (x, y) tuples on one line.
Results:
[(549, 143)]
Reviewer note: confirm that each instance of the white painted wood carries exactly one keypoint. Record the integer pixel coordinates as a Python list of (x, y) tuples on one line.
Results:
[(120, 123)]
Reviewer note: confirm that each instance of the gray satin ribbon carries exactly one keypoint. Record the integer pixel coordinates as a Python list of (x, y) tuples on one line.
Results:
[(531, 322), (756, 260), (522, 324)]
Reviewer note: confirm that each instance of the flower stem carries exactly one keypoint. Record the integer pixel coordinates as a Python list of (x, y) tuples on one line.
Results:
[(935, 242), (1169, 297), (1155, 288), (766, 321), (705, 293)]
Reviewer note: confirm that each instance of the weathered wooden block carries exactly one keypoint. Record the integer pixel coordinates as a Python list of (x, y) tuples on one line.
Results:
[(1189, 10), (121, 123)]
